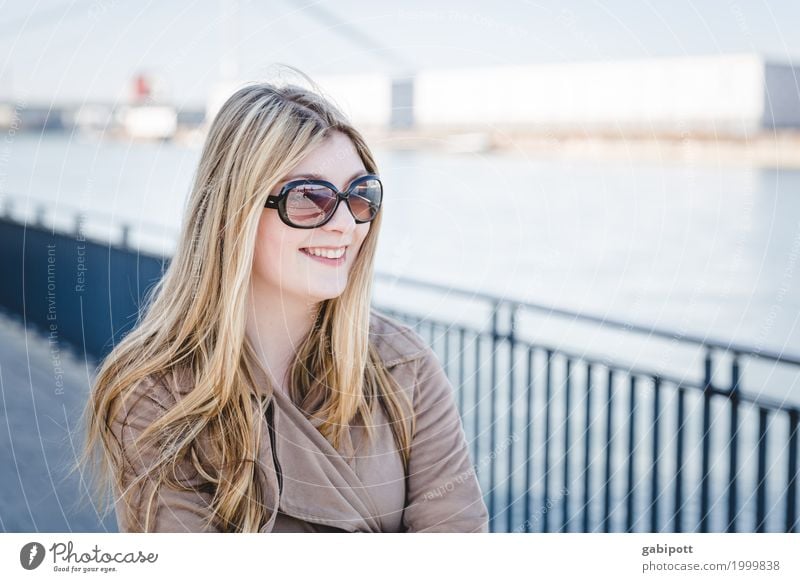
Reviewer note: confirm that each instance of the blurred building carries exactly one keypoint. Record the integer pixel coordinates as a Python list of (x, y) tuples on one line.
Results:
[(725, 94)]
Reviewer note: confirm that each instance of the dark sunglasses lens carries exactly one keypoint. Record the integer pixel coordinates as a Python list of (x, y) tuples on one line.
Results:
[(309, 204), (365, 200)]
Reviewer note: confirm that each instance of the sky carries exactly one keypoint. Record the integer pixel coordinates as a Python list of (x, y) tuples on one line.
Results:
[(68, 51)]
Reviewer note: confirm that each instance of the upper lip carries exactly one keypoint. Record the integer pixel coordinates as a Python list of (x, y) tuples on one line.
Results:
[(324, 247)]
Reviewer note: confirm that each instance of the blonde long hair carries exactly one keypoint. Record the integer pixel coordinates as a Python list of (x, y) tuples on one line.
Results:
[(195, 315)]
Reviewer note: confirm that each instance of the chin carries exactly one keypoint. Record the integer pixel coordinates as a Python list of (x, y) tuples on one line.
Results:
[(320, 293), (323, 296), (315, 289)]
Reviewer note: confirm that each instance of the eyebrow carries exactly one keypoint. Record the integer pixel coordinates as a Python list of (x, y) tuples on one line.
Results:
[(314, 176)]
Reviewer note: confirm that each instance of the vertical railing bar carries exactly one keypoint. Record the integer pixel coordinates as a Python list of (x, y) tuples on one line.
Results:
[(733, 446), (706, 441), (792, 476), (125, 239), (529, 432), (609, 446), (493, 394), (565, 497), (587, 449), (654, 487), (629, 497), (511, 398), (476, 419), (761, 486), (447, 352), (547, 429), (679, 438), (461, 358)]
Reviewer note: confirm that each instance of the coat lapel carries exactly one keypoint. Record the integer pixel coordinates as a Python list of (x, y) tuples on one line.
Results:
[(319, 484)]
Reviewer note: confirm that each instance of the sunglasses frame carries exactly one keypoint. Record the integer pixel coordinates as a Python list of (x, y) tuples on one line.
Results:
[(279, 201)]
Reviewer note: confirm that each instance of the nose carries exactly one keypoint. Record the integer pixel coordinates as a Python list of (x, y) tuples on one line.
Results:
[(342, 219)]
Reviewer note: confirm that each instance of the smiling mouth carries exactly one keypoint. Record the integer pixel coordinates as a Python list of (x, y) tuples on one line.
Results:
[(326, 260)]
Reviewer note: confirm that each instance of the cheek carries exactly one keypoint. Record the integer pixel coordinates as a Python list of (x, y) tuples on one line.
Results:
[(362, 230), (260, 254), (273, 247)]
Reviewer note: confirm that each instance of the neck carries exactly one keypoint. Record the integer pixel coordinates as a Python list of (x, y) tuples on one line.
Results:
[(275, 327)]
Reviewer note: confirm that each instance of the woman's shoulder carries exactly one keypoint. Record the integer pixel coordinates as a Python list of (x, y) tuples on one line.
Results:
[(396, 342), (155, 394), (432, 391)]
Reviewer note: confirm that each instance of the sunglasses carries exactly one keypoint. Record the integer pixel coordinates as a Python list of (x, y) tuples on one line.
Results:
[(307, 203)]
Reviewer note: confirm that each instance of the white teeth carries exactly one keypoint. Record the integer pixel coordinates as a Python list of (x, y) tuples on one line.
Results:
[(327, 253)]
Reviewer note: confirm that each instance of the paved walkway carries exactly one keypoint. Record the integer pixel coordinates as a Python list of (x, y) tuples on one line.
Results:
[(43, 389)]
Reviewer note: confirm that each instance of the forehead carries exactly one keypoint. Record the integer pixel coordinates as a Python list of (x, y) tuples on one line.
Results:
[(335, 160)]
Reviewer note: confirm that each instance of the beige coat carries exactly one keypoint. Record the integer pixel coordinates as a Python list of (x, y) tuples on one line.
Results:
[(320, 489)]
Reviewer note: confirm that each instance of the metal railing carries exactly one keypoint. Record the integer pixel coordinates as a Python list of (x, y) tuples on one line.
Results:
[(620, 450)]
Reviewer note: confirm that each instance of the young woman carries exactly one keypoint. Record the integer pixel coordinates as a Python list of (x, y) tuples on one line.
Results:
[(260, 391)]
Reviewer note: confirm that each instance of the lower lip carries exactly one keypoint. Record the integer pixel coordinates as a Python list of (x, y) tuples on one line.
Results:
[(327, 261)]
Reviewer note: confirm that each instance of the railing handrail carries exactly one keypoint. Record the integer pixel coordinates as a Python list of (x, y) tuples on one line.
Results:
[(40, 204), (737, 349)]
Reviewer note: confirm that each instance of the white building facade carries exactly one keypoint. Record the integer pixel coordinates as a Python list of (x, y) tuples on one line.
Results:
[(725, 94)]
